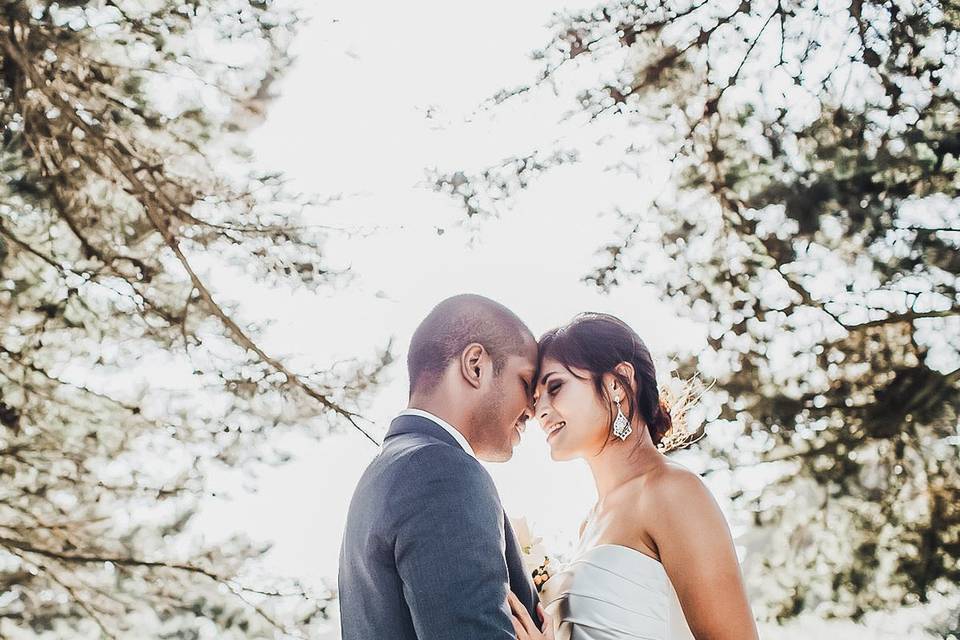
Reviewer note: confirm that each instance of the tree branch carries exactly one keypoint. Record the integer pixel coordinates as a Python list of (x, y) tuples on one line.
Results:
[(155, 214)]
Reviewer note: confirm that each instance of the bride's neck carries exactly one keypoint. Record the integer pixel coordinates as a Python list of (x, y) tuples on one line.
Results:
[(620, 462)]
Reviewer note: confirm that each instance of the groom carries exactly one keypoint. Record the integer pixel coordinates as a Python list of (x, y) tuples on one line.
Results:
[(428, 553)]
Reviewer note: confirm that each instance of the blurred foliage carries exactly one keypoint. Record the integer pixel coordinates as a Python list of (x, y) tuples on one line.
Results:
[(125, 378), (811, 221)]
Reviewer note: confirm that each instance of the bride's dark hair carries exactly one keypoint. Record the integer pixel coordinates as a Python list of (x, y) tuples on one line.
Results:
[(598, 342)]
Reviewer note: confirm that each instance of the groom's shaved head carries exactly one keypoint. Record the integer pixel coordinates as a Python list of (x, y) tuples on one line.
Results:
[(455, 323)]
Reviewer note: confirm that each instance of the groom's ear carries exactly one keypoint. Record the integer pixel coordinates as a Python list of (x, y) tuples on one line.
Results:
[(470, 364)]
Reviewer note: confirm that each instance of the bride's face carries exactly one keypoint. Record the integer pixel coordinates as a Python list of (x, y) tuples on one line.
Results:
[(570, 411)]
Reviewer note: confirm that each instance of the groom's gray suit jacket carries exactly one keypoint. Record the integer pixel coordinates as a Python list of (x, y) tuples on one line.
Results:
[(428, 553)]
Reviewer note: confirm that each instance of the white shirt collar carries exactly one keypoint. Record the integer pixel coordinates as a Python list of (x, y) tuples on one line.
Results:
[(446, 427)]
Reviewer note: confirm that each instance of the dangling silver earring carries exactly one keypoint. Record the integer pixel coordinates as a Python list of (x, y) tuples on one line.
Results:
[(621, 426)]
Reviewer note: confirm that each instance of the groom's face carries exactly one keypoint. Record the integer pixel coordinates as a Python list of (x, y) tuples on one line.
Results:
[(507, 406)]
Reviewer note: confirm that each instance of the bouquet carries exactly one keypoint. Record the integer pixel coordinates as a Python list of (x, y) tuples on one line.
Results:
[(536, 560)]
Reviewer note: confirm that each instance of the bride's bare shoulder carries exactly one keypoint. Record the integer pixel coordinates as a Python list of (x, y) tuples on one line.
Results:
[(659, 477), (672, 471), (651, 504), (682, 502), (670, 483)]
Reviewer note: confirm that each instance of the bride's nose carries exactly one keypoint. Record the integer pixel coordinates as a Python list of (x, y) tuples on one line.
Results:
[(542, 418)]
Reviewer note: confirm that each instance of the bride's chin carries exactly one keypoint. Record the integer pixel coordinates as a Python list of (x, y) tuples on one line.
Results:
[(557, 454)]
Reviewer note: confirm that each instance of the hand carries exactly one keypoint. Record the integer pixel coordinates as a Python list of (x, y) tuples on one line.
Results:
[(524, 626)]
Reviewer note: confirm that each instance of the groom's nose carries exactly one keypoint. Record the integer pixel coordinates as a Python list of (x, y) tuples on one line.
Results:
[(531, 408)]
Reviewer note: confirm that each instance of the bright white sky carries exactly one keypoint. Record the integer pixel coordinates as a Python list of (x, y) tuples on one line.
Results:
[(352, 118)]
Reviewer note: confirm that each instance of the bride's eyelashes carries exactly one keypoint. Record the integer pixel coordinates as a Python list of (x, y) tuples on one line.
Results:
[(553, 388)]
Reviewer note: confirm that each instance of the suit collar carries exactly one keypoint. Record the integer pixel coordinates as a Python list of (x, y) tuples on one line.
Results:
[(449, 428), (416, 423)]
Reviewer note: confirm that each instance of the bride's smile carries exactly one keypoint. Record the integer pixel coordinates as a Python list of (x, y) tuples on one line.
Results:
[(554, 429)]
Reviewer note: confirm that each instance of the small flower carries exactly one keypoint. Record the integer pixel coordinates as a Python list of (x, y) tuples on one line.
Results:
[(535, 558), (522, 530), (541, 574)]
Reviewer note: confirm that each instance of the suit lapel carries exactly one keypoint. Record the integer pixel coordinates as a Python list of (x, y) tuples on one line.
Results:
[(520, 582)]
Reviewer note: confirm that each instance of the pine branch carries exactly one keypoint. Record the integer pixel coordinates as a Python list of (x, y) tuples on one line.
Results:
[(156, 215)]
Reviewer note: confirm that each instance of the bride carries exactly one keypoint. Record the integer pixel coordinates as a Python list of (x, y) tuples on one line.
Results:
[(656, 560)]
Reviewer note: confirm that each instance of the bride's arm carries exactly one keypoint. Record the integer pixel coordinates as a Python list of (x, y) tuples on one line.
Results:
[(697, 551)]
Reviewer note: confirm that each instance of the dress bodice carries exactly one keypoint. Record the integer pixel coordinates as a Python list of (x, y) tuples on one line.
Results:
[(613, 592)]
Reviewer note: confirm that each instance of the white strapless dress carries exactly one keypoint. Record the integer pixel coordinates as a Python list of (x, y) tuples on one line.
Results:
[(612, 592)]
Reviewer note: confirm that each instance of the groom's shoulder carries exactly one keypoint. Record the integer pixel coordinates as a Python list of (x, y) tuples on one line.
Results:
[(415, 450), (420, 460), (413, 472)]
